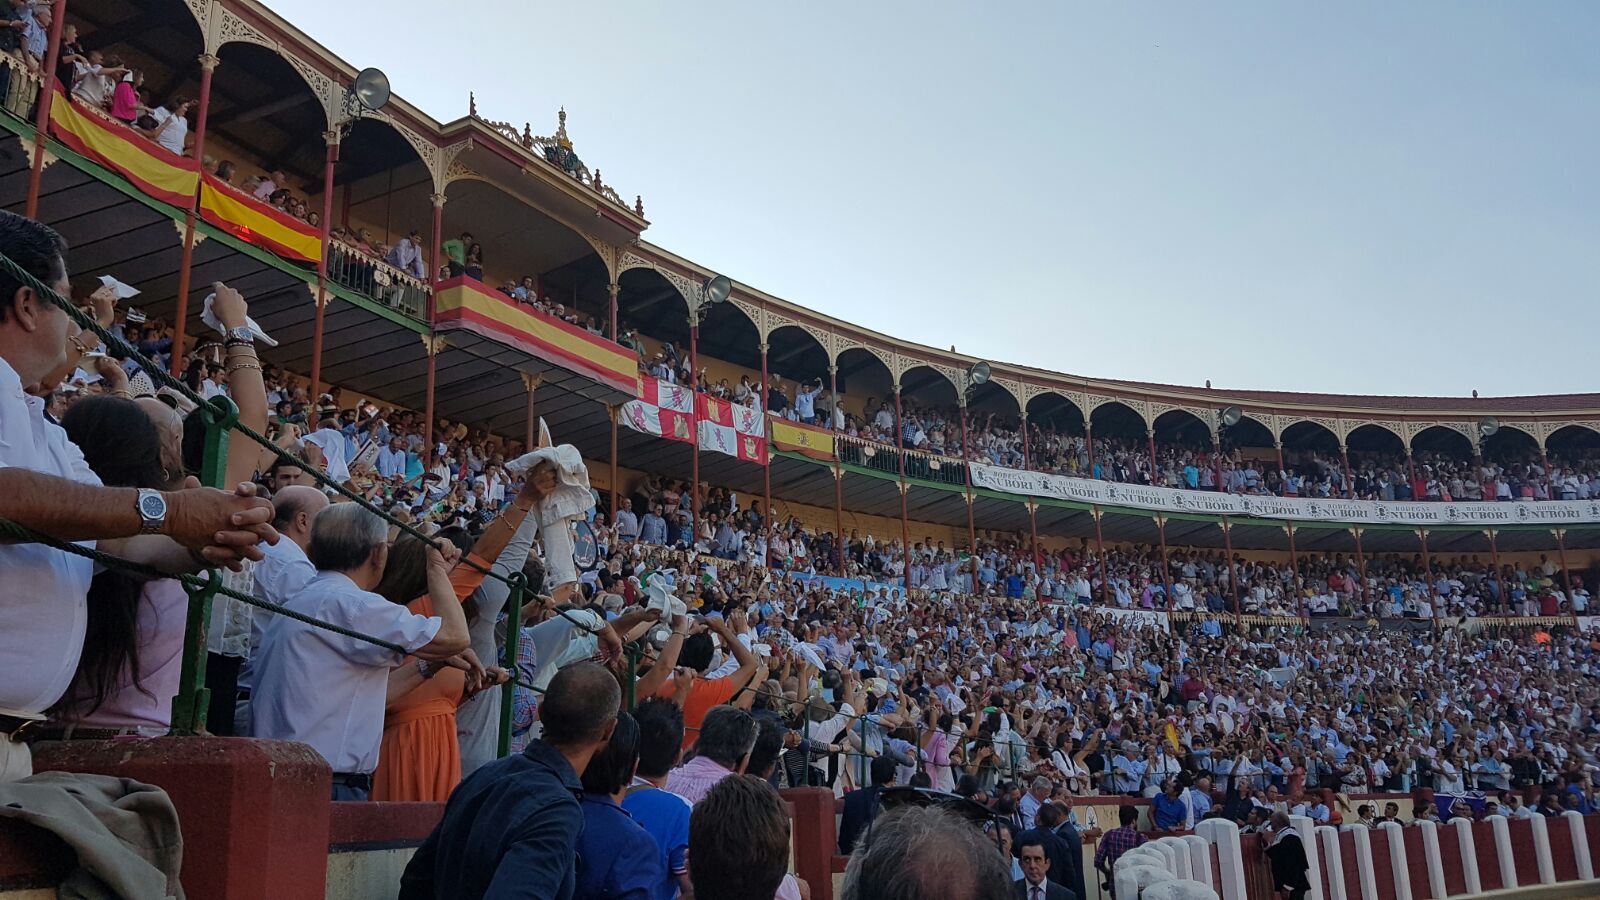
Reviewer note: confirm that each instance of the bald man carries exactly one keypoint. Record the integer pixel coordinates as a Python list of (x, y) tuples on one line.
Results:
[(511, 828), (283, 570)]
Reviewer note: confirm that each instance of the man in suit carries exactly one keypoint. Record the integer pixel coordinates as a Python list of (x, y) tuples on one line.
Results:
[(1068, 832), (861, 806), (1035, 866), (1065, 869)]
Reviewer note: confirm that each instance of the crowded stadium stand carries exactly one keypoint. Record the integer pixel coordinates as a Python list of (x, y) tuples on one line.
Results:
[(1049, 596)]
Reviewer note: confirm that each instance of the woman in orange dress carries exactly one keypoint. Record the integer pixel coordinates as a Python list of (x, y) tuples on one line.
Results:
[(420, 757)]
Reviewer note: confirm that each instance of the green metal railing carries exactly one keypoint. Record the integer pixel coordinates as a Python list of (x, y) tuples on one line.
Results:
[(221, 419)]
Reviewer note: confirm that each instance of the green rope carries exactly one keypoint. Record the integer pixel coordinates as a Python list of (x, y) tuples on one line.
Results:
[(221, 411)]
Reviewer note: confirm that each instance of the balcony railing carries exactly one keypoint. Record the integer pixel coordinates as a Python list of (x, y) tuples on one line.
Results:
[(23, 88), (377, 280), (920, 464)]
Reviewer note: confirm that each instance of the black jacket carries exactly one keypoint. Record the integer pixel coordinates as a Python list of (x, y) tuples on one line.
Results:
[(1289, 865), (1052, 891), (860, 808)]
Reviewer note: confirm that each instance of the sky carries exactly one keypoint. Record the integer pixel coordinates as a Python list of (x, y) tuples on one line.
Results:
[(1355, 198)]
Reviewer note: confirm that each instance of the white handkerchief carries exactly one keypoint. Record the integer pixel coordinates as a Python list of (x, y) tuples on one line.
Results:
[(210, 318), (124, 291)]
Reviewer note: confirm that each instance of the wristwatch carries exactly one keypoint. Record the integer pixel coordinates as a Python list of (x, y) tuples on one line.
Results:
[(240, 335), (152, 511)]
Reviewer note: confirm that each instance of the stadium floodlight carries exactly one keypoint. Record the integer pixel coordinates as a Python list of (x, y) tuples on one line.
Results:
[(371, 89), (978, 374), (1487, 426), (1230, 416)]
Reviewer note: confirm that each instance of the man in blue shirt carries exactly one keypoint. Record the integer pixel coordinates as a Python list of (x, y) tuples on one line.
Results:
[(663, 814), (511, 828), (616, 856), (1171, 813)]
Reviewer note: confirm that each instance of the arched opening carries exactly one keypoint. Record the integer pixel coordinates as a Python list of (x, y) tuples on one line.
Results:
[(928, 405), (1184, 457), (1575, 447), (1057, 436), (1510, 446), (1181, 429), (1312, 461), (381, 195), (795, 356), (1377, 463), (1437, 444), (1248, 437), (267, 123), (866, 389), (1121, 443)]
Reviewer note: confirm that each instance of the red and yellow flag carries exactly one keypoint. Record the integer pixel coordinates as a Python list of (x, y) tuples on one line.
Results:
[(249, 219), (151, 167)]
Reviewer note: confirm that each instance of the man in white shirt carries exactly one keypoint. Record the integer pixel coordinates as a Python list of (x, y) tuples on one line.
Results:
[(284, 567), (46, 486), (327, 690), (330, 440)]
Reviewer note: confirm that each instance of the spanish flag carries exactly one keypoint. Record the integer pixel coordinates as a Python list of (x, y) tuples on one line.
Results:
[(151, 168), (807, 440), (249, 219), (464, 303)]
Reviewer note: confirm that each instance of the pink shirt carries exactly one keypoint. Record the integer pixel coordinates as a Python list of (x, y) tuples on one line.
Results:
[(163, 610), (695, 778)]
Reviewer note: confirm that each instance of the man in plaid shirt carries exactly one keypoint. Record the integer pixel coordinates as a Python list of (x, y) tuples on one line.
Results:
[(1118, 841)]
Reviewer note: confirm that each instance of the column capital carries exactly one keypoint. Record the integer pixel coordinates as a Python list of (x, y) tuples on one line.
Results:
[(208, 61), (614, 288), (331, 137), (438, 200), (1490, 533), (1023, 415), (897, 387), (531, 381), (833, 368), (1559, 533), (765, 347)]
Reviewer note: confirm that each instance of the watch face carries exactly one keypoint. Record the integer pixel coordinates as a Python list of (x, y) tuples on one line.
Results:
[(152, 506)]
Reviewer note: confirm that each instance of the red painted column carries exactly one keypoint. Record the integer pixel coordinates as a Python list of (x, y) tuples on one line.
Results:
[(614, 288), (1361, 568), (1033, 511), (1566, 573), (1428, 566), (530, 383), (208, 64), (1494, 560), (1100, 548), (1088, 443), (1233, 571), (41, 118), (329, 162), (1166, 568), (1349, 483), (905, 522), (766, 470), (1216, 460), (694, 421), (612, 411), (838, 515), (1150, 436), (966, 468), (1411, 474), (433, 342), (1294, 566), (253, 814)]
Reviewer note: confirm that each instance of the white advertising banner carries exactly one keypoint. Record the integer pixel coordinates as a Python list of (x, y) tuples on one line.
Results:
[(1160, 499)]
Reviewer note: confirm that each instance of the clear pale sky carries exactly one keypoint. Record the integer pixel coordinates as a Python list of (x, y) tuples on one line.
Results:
[(1353, 197)]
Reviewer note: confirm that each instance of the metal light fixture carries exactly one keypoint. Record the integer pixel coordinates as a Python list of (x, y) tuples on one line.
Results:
[(1488, 425), (716, 289), (371, 89), (978, 374), (1230, 416)]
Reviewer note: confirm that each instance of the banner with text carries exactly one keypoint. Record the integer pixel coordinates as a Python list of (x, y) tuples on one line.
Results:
[(1368, 512)]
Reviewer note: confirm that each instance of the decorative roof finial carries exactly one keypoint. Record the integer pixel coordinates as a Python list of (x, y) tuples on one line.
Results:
[(638, 205), (561, 130), (472, 104)]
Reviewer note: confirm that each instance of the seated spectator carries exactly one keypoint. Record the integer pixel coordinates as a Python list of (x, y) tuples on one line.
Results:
[(861, 806), (918, 852), (660, 812), (726, 738), (512, 828), (739, 843), (327, 690), (616, 856)]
